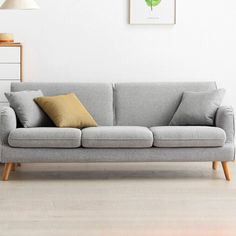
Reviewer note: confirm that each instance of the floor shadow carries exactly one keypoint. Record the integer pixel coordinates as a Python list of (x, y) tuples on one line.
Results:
[(113, 175)]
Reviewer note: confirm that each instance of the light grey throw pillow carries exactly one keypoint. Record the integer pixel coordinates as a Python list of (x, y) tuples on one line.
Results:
[(27, 111), (198, 108)]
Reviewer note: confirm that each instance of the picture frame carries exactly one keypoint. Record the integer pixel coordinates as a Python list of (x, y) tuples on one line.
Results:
[(153, 12)]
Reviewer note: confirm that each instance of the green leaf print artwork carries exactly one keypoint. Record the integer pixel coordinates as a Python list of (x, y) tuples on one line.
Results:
[(152, 3)]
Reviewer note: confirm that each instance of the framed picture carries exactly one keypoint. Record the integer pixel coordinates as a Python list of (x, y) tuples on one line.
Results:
[(161, 12)]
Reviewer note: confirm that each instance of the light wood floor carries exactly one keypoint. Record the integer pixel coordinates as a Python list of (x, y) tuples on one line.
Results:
[(118, 200)]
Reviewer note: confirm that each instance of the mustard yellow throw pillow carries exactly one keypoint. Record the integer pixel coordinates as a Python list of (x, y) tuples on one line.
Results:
[(66, 111)]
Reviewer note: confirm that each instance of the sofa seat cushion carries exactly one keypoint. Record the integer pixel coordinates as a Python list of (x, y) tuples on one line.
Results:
[(45, 138), (188, 136), (117, 137)]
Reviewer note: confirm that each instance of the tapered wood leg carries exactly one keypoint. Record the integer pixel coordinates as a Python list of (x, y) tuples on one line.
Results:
[(214, 165), (6, 171), (226, 170)]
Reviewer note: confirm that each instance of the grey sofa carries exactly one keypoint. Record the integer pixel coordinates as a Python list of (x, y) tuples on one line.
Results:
[(133, 123)]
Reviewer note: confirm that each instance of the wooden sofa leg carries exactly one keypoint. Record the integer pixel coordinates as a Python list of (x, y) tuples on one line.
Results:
[(214, 165), (226, 170), (19, 164), (6, 171)]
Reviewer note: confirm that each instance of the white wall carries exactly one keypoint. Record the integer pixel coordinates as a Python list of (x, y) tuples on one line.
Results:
[(81, 40)]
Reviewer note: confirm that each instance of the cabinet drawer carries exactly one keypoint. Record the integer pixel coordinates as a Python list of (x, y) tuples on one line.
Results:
[(9, 54), (9, 71), (4, 87)]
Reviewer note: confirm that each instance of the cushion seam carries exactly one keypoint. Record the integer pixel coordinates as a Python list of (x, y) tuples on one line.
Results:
[(114, 139), (189, 139), (43, 138)]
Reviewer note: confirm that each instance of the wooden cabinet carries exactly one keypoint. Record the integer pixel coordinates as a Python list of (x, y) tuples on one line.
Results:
[(11, 67)]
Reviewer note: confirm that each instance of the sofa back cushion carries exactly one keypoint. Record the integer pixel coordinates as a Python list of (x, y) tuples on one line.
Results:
[(96, 97), (151, 104)]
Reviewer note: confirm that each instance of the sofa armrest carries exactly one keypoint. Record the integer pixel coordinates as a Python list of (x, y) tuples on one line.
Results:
[(225, 120), (7, 124)]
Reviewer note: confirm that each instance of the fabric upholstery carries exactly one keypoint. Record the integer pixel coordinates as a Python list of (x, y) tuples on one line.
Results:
[(198, 108), (134, 106), (28, 113), (96, 97), (225, 120), (66, 111), (117, 137), (90, 155), (45, 138), (188, 136), (7, 124), (151, 104)]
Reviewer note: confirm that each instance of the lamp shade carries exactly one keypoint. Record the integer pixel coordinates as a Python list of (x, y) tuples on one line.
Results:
[(20, 5)]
